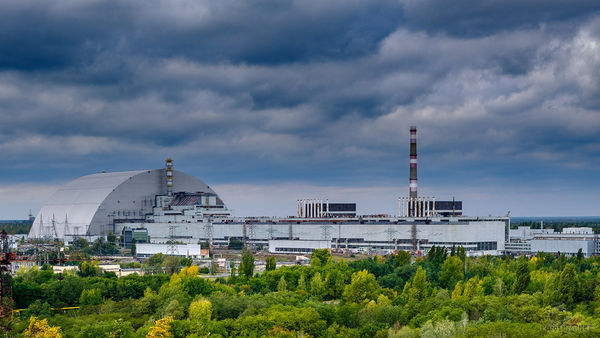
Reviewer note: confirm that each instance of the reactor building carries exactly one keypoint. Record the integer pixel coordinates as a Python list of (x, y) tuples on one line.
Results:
[(91, 205), (164, 206)]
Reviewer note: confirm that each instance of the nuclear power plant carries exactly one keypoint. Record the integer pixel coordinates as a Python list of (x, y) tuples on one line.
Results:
[(169, 206)]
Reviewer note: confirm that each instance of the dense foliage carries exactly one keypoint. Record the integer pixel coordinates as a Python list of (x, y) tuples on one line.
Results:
[(17, 227), (101, 247), (441, 295)]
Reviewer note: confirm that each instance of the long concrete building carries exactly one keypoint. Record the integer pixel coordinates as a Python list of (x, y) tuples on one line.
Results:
[(191, 212), (527, 241), (385, 234)]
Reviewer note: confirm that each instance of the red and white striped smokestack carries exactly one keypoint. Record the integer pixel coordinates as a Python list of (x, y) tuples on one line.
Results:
[(169, 177), (413, 163)]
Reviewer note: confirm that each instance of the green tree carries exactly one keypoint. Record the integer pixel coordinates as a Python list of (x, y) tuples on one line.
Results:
[(213, 267), (270, 264), (597, 294), (452, 272), (247, 265), (568, 284), (419, 286), (79, 244), (457, 292), (200, 310), (282, 285), (523, 277), (334, 283), (232, 273), (580, 256), (473, 288), (402, 258), (235, 244), (461, 253), (89, 269), (120, 329), (197, 286), (186, 261), (436, 255), (441, 329), (111, 238), (322, 254), (153, 265), (171, 264), (363, 287), (174, 309), (301, 288), (90, 297), (317, 287)]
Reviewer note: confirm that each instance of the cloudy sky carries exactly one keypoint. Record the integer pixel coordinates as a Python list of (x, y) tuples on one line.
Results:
[(271, 101)]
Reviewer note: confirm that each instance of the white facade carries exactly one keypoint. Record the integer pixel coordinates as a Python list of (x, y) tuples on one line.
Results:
[(566, 246), (296, 246), (578, 231), (390, 234), (182, 250), (527, 233), (525, 240)]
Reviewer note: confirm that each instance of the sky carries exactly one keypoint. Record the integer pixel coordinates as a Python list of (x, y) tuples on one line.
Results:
[(273, 101)]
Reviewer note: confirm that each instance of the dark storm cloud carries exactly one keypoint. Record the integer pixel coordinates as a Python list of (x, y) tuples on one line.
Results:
[(471, 18), (42, 35), (308, 90)]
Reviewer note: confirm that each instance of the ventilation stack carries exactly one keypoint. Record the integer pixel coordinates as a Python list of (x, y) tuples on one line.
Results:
[(169, 177), (413, 171)]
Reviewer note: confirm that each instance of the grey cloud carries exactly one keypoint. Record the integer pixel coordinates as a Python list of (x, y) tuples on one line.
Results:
[(473, 18), (42, 35), (311, 88)]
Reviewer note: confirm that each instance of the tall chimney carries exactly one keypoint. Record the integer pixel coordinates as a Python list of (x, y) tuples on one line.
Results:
[(413, 163), (169, 177)]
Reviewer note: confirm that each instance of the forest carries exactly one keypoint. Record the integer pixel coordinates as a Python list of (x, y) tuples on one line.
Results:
[(444, 294)]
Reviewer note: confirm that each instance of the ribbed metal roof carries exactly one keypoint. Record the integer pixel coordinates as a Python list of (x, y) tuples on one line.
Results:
[(74, 206), (77, 202)]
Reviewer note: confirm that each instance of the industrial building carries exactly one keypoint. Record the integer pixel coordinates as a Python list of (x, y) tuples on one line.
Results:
[(93, 204), (194, 251), (528, 241), (164, 206)]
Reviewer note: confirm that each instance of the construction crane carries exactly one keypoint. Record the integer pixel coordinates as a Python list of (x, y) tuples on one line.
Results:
[(6, 300)]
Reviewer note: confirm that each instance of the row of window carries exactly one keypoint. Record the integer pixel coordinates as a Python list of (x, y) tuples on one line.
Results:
[(294, 249), (128, 213)]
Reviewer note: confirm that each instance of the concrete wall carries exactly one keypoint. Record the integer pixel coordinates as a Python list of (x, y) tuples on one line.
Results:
[(459, 234), (563, 246), (191, 250), (299, 246)]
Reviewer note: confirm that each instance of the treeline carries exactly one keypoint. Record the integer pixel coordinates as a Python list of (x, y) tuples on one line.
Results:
[(443, 294), (16, 228), (558, 226), (82, 248)]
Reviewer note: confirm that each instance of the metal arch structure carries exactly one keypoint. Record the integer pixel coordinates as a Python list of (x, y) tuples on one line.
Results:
[(92, 203)]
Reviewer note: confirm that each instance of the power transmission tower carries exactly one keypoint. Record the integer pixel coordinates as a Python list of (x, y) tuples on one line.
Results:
[(413, 236), (208, 232), (271, 231), (172, 247), (390, 234), (326, 232)]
